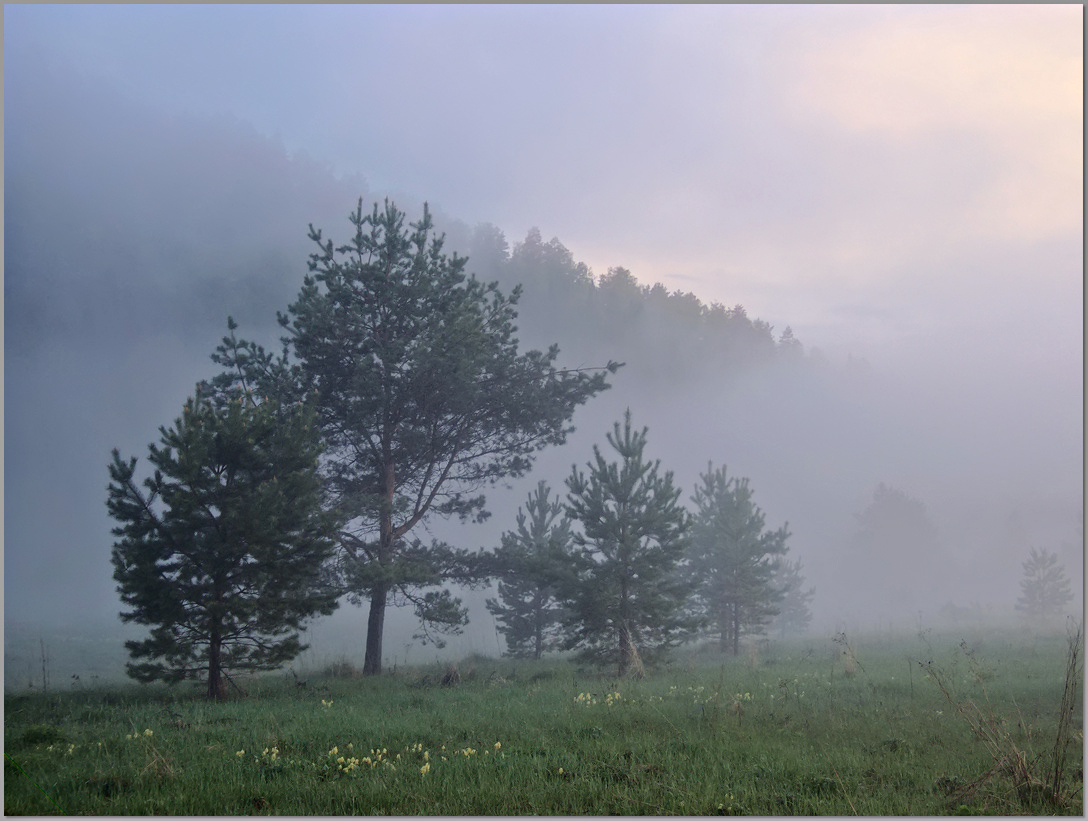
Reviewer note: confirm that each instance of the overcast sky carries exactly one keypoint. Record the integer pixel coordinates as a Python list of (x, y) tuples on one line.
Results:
[(900, 183)]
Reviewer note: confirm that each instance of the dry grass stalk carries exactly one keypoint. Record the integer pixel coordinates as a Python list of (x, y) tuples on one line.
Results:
[(635, 667), (1009, 760), (158, 764), (849, 663), (452, 676), (1073, 672), (753, 657)]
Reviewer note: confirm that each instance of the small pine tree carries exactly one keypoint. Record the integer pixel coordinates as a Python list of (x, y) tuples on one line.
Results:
[(1044, 590), (628, 597), (530, 564), (794, 611), (733, 560), (223, 551)]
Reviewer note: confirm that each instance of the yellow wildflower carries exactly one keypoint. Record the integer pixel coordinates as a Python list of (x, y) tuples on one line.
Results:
[(240, 753), (334, 751), (425, 768), (148, 732), (498, 745)]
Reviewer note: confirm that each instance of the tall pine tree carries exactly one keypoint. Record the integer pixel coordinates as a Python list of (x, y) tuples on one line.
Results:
[(531, 564), (628, 597), (423, 399), (222, 551), (733, 559)]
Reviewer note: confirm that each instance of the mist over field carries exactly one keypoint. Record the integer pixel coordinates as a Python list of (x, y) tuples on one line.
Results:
[(872, 179)]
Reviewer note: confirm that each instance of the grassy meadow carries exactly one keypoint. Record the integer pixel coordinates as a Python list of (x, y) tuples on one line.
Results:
[(922, 726)]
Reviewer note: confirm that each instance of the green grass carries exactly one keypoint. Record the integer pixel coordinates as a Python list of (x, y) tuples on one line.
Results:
[(794, 734)]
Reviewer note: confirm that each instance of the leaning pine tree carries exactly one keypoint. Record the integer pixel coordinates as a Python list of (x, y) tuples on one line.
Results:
[(222, 550), (628, 593), (531, 564), (733, 559)]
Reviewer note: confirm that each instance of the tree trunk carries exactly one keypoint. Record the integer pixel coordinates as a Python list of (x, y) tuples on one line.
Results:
[(626, 649), (216, 689), (538, 626), (375, 623), (724, 620), (375, 627)]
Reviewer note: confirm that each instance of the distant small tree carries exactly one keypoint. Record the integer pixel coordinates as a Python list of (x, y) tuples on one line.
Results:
[(627, 592), (892, 557), (222, 551), (733, 560), (529, 564), (794, 611), (1044, 590)]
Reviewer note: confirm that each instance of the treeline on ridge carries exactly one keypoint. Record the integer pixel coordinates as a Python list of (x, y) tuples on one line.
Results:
[(660, 334)]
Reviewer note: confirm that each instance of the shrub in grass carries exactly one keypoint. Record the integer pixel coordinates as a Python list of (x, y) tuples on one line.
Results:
[(342, 668)]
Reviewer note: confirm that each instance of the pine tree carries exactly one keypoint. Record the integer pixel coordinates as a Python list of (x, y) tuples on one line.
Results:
[(794, 610), (627, 598), (222, 551), (893, 557), (733, 560), (1044, 590), (423, 399), (530, 564)]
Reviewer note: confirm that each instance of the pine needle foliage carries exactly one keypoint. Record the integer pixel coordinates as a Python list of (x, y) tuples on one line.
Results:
[(423, 399), (733, 559), (1044, 589), (628, 593), (531, 564), (222, 549), (794, 610)]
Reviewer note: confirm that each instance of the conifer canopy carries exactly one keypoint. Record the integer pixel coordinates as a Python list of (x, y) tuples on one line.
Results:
[(223, 548)]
